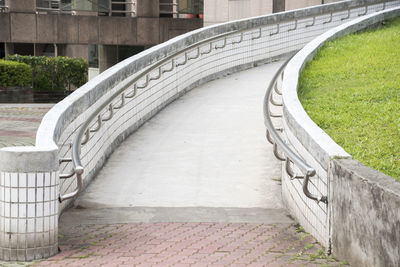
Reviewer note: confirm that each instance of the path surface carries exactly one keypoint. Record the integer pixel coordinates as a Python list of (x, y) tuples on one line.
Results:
[(197, 185), (188, 244), (207, 149), (19, 123)]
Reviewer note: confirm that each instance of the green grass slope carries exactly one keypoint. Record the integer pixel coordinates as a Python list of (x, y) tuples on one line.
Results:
[(352, 91)]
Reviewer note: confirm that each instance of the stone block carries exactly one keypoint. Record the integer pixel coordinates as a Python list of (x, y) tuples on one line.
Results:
[(47, 28), (127, 31), (77, 50), (365, 215), (148, 31), (148, 8), (296, 4), (108, 30), (5, 27), (23, 27), (171, 27), (278, 6), (68, 29), (216, 11), (27, 6), (88, 29)]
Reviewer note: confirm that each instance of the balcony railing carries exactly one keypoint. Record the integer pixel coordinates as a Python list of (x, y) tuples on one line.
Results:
[(127, 8), (102, 7), (3, 7)]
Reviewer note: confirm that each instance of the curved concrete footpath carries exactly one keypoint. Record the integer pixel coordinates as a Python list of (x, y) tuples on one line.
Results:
[(207, 149), (197, 185)]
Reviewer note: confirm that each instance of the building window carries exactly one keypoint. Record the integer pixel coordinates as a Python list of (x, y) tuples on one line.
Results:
[(125, 51), (191, 7), (25, 49), (93, 57), (2, 50)]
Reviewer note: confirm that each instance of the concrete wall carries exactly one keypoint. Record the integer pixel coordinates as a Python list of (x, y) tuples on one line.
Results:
[(306, 138), (66, 29), (248, 8), (108, 56), (76, 51), (278, 6), (218, 11), (148, 8), (365, 215), (296, 4), (363, 206), (21, 5)]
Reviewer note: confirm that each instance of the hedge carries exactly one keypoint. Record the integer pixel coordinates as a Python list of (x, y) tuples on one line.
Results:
[(15, 74), (55, 73)]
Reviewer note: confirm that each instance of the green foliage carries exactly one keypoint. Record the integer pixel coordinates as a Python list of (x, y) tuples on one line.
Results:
[(14, 74), (299, 229), (55, 73), (308, 246), (352, 91)]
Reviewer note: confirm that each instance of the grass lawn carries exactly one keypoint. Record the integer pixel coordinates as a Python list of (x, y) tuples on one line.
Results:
[(352, 91)]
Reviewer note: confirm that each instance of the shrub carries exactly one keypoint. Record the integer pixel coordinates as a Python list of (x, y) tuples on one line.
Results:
[(55, 73), (15, 74)]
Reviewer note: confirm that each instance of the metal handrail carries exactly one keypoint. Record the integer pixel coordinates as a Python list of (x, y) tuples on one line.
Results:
[(174, 5), (124, 3), (289, 156), (55, 10), (84, 131), (168, 4)]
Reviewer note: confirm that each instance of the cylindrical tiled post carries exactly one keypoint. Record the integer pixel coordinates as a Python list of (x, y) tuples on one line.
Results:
[(28, 203)]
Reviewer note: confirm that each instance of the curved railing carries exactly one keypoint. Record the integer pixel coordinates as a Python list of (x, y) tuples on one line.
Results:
[(303, 143), (289, 156), (213, 50), (85, 131)]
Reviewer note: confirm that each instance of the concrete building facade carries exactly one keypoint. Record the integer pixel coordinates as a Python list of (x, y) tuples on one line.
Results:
[(103, 32), (218, 11)]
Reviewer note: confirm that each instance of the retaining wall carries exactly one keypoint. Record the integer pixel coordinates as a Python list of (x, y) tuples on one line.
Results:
[(363, 215)]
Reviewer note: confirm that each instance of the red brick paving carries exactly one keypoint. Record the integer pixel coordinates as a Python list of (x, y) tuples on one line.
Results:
[(17, 133), (19, 123), (188, 244), (21, 119)]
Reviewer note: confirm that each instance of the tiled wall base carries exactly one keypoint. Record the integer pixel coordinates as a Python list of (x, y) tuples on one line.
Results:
[(28, 215), (28, 254)]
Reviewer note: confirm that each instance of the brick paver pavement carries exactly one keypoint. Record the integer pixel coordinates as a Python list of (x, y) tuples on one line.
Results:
[(188, 244), (19, 122)]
